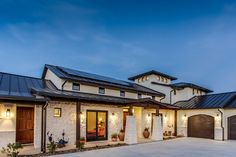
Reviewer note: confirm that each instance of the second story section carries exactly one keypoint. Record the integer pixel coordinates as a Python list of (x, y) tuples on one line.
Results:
[(78, 81), (163, 83)]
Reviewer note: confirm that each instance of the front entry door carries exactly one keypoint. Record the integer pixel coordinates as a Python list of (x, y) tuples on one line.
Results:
[(25, 125), (96, 125)]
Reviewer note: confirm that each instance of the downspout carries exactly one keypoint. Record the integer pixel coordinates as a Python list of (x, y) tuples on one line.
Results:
[(62, 86), (171, 95), (43, 127), (222, 126)]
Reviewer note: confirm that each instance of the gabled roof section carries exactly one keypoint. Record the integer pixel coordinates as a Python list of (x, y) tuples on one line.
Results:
[(17, 87), (191, 85), (80, 76), (221, 100), (152, 72)]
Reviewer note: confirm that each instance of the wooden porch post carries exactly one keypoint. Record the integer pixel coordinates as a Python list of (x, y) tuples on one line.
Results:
[(130, 110), (78, 111), (157, 111)]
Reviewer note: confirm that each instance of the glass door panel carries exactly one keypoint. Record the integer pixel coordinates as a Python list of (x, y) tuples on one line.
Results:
[(91, 126), (102, 125)]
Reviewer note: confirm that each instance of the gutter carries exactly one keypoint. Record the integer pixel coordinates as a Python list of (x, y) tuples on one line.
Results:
[(43, 127), (162, 98), (171, 95), (222, 126)]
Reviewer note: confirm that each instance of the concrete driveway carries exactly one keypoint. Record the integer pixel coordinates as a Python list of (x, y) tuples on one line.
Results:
[(182, 147)]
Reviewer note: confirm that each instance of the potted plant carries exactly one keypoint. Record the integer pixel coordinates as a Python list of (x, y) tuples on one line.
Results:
[(121, 135), (12, 149), (51, 146), (114, 137), (146, 133), (62, 142), (81, 143)]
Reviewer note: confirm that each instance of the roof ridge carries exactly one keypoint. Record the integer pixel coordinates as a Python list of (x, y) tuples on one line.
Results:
[(5, 73), (186, 100)]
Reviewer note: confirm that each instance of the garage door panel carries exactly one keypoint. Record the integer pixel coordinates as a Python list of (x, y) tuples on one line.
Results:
[(201, 126), (232, 127)]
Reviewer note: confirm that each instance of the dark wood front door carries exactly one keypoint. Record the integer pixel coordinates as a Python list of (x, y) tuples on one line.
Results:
[(201, 126), (232, 128), (25, 125), (125, 113)]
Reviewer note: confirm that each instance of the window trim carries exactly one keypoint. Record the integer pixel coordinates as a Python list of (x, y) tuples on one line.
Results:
[(139, 96)]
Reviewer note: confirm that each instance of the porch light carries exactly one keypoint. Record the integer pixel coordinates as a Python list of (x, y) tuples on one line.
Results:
[(185, 115), (8, 113), (113, 114), (133, 111), (149, 115)]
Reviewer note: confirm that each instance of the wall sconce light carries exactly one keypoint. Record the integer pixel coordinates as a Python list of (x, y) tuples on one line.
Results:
[(217, 115), (149, 115), (165, 115), (133, 111), (8, 113), (113, 114), (185, 115)]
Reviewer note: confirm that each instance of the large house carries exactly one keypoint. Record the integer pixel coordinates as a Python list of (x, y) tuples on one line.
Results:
[(93, 106)]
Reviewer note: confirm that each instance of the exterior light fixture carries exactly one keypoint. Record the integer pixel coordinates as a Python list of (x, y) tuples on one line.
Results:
[(149, 115), (133, 111), (8, 113), (185, 115), (113, 114), (217, 115)]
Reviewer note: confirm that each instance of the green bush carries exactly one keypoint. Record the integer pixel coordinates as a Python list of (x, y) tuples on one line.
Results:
[(12, 149), (52, 146)]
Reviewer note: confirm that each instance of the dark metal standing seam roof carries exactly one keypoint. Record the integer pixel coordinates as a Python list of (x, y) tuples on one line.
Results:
[(185, 84), (221, 100), (75, 75), (19, 87)]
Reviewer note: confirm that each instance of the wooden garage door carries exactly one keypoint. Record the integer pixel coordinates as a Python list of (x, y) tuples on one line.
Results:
[(232, 127), (201, 126), (25, 125)]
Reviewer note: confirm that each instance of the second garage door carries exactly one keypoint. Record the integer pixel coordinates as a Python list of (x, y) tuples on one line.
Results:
[(201, 126), (232, 128)]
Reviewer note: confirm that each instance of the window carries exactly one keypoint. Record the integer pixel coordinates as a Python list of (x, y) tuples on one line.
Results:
[(122, 93), (57, 112), (139, 95), (193, 91), (76, 86), (101, 90), (153, 97)]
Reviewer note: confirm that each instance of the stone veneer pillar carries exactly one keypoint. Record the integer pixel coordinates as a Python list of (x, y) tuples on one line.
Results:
[(157, 133), (131, 130)]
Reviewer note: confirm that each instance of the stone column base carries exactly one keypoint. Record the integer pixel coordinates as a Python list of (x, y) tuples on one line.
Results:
[(157, 132), (131, 130)]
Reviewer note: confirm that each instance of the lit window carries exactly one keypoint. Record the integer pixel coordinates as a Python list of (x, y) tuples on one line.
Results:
[(76, 86), (122, 93), (101, 90), (57, 112), (139, 95)]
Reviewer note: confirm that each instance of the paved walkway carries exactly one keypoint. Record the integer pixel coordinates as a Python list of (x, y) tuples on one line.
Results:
[(182, 147)]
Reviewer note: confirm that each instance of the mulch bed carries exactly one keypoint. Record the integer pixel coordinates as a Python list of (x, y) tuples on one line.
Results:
[(76, 150)]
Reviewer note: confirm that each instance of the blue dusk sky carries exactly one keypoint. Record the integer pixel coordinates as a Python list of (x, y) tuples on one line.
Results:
[(194, 40)]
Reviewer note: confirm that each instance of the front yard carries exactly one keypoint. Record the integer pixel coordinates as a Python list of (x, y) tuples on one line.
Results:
[(184, 147)]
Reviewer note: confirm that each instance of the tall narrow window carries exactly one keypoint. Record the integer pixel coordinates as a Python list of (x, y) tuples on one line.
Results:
[(101, 90), (76, 86), (139, 95), (122, 93), (153, 97)]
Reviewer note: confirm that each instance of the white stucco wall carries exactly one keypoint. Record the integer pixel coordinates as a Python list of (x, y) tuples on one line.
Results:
[(52, 77)]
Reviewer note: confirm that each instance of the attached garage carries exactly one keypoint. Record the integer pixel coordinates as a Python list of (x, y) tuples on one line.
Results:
[(201, 126), (232, 128)]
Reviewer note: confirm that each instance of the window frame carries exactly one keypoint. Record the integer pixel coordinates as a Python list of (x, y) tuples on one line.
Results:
[(75, 84), (122, 91), (100, 89)]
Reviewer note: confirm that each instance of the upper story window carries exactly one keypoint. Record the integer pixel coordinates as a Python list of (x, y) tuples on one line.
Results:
[(76, 86), (101, 90), (193, 91), (122, 93), (139, 95), (153, 97)]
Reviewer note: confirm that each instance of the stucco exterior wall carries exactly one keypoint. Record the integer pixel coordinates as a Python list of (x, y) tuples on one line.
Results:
[(52, 77), (7, 125)]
